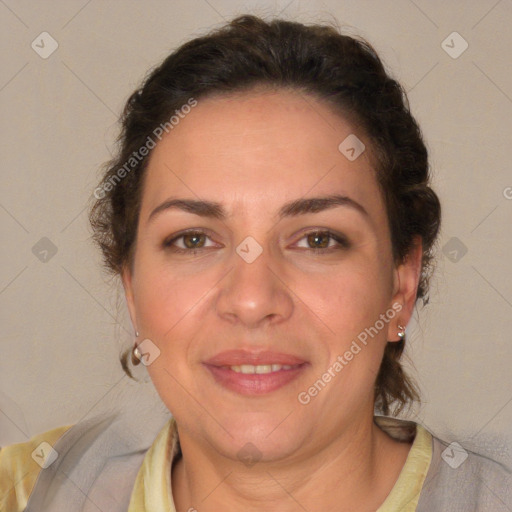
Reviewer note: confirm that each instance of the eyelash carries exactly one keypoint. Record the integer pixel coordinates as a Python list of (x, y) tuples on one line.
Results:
[(342, 242)]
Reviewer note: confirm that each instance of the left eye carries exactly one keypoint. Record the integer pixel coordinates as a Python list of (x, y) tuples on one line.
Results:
[(319, 240)]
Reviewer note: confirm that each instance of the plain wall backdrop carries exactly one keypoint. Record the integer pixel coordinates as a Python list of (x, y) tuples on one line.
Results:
[(63, 324)]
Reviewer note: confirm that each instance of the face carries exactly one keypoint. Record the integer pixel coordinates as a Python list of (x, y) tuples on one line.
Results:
[(263, 279)]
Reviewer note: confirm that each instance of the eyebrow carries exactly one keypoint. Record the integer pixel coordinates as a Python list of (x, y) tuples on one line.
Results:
[(294, 208)]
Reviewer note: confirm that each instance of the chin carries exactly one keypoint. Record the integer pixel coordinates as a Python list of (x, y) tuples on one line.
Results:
[(261, 436)]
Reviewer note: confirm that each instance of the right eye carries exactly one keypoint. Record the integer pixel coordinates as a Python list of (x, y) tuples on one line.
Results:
[(190, 241)]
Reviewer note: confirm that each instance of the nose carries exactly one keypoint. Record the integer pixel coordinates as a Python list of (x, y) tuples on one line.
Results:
[(255, 293)]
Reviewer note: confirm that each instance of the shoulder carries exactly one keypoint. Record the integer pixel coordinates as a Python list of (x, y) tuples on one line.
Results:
[(20, 465), (458, 478)]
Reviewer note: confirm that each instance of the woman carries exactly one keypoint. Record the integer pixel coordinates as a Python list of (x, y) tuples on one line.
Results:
[(270, 216)]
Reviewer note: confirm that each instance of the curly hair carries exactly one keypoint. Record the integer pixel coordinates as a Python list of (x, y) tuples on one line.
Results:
[(342, 70)]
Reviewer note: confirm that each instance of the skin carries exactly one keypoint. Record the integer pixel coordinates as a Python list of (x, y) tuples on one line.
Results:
[(253, 152)]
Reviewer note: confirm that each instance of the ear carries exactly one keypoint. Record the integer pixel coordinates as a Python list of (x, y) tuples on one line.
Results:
[(126, 278), (405, 287)]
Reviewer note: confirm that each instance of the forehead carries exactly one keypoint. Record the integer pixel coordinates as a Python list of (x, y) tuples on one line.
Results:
[(259, 148)]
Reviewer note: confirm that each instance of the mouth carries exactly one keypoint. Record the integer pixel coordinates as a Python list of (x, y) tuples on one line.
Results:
[(249, 373)]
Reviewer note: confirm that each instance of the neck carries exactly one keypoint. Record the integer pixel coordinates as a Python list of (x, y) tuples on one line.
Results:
[(355, 471)]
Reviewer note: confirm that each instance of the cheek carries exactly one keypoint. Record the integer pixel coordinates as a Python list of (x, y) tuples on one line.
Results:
[(163, 300), (165, 306), (160, 296), (349, 301), (172, 309), (350, 296)]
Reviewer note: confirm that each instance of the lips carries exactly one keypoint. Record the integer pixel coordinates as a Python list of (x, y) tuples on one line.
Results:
[(245, 357), (254, 373)]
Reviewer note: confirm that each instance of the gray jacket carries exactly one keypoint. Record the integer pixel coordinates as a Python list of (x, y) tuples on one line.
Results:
[(99, 460)]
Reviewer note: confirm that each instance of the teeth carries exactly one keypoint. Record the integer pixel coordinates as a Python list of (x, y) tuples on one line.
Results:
[(264, 368), (261, 368)]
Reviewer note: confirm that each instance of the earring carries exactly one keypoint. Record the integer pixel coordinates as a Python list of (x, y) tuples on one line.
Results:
[(136, 355), (401, 332)]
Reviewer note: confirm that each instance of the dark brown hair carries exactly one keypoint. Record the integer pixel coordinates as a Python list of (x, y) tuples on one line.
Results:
[(344, 71)]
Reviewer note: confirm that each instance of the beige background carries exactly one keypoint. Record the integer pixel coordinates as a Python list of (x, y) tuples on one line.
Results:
[(63, 325)]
